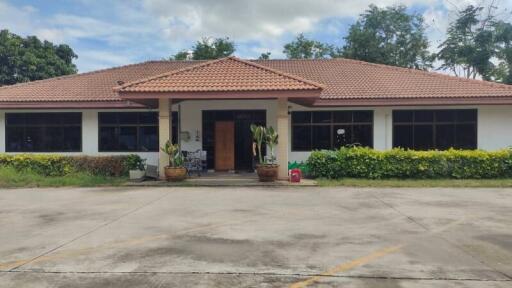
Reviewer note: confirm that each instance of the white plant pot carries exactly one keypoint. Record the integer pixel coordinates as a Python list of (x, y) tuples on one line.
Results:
[(137, 174)]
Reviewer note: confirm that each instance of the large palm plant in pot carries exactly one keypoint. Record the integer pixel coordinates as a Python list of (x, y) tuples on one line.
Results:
[(267, 169), (175, 171)]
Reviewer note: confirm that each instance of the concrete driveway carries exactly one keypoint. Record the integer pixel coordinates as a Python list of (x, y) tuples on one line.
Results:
[(255, 237)]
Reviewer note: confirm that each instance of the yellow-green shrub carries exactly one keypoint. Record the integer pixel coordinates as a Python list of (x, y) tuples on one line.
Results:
[(360, 162), (58, 165)]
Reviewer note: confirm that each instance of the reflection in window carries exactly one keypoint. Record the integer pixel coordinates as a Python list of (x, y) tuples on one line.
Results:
[(331, 129), (131, 131), (43, 132), (435, 129)]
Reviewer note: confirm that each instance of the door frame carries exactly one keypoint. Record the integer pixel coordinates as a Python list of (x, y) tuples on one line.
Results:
[(208, 125)]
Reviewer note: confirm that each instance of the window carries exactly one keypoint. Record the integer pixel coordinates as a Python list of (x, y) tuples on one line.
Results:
[(331, 129), (131, 131), (43, 132), (435, 129)]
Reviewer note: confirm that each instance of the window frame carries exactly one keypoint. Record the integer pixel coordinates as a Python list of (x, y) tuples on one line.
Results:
[(137, 125), (434, 123), (44, 127), (331, 125)]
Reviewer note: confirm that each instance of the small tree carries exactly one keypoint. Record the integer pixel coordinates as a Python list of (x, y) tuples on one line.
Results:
[(174, 153), (258, 134), (208, 49), (264, 56), (266, 136), (271, 138), (303, 48)]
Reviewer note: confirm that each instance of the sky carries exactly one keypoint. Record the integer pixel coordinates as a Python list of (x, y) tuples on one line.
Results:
[(107, 33)]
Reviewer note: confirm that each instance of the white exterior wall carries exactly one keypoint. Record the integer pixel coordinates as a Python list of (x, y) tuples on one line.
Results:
[(494, 127), (494, 124)]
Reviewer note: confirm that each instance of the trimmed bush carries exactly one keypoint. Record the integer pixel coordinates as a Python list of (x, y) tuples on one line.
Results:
[(367, 163), (58, 165)]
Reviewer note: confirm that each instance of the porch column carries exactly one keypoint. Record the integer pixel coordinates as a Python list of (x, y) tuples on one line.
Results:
[(282, 144), (164, 132)]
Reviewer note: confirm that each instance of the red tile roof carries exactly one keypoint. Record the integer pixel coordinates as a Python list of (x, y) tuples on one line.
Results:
[(223, 75), (342, 79)]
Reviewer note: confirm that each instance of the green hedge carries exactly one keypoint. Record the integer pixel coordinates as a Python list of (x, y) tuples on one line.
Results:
[(58, 165), (397, 163)]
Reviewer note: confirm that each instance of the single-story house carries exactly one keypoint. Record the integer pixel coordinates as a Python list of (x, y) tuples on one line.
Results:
[(313, 104)]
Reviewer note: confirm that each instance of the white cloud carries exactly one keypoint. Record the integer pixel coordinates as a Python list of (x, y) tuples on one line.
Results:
[(116, 32), (252, 20)]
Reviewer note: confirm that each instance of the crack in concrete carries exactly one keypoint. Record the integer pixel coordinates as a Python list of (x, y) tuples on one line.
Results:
[(258, 274), (91, 231), (412, 220)]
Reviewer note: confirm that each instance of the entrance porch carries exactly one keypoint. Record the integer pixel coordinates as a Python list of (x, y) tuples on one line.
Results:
[(223, 97), (221, 128)]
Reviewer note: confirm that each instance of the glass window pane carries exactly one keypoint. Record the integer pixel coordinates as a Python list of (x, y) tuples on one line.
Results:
[(445, 136), (363, 135), (424, 116), (322, 117), (301, 117), (445, 116), (126, 118), (363, 116), (107, 118), (465, 136), (34, 140), (321, 137), (423, 137), (73, 139), (148, 140), (15, 139), (405, 116), (301, 138), (466, 115), (108, 139), (342, 116), (403, 136), (151, 118), (36, 118), (15, 118), (128, 138), (342, 135)]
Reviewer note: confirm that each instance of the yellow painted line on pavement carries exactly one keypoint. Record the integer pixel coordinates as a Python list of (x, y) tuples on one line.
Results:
[(347, 266)]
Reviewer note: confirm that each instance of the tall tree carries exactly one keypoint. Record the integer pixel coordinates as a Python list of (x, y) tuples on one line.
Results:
[(208, 49), (470, 44), (303, 48), (503, 71), (389, 36), (27, 59)]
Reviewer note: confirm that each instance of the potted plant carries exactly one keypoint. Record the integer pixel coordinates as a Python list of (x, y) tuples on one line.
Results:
[(175, 171), (267, 169), (136, 166)]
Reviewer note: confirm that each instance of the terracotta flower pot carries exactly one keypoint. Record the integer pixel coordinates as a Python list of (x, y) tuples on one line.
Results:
[(175, 174), (267, 172)]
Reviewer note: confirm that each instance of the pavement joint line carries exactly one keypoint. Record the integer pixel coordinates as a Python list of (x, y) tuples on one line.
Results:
[(28, 271), (119, 244), (411, 219), (444, 239), (91, 231)]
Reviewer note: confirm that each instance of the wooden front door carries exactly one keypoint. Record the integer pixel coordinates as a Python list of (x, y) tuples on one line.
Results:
[(224, 145)]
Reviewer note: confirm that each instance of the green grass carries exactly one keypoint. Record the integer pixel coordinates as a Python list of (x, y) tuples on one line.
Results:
[(353, 182), (10, 178)]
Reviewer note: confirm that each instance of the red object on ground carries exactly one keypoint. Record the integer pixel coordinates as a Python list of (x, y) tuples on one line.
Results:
[(295, 175)]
